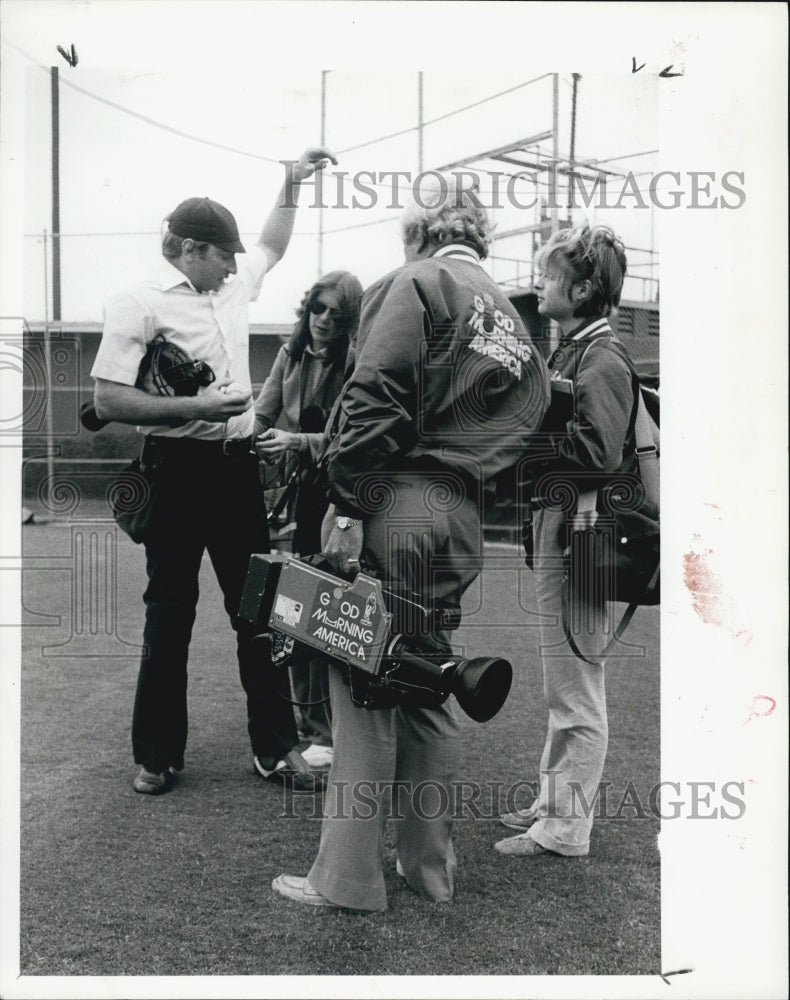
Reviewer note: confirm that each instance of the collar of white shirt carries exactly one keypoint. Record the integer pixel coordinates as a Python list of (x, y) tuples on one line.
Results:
[(170, 277)]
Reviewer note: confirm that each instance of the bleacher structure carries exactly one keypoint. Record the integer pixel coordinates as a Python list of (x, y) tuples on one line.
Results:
[(513, 250)]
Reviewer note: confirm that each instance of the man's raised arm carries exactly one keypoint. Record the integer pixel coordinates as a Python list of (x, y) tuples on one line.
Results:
[(277, 229)]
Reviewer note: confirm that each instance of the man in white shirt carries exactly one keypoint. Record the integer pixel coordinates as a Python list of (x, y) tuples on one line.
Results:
[(205, 488)]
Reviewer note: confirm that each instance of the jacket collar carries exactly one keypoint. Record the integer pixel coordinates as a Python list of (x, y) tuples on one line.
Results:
[(460, 250), (590, 328)]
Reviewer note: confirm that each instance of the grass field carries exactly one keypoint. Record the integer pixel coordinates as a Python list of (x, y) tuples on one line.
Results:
[(118, 884)]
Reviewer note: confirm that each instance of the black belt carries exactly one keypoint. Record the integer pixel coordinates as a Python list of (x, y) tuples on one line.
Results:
[(197, 448)]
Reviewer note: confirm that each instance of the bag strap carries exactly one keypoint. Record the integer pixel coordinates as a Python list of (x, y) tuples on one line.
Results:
[(617, 635), (646, 452), (285, 497)]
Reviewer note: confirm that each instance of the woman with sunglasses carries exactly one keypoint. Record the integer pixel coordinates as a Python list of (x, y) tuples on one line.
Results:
[(299, 393)]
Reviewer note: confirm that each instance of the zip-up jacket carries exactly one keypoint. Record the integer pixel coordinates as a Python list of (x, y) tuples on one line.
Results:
[(599, 439), (284, 393), (446, 377)]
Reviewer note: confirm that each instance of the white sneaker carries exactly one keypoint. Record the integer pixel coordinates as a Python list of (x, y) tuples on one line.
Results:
[(297, 888), (318, 756)]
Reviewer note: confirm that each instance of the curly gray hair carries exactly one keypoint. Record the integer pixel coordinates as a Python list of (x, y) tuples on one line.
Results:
[(450, 214)]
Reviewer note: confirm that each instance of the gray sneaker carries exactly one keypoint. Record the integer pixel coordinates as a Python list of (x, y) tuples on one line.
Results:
[(522, 819), (523, 846), (153, 783)]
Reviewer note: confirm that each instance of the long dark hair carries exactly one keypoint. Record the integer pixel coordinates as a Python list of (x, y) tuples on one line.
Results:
[(349, 292)]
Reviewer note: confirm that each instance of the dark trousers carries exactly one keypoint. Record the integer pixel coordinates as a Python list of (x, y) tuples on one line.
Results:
[(203, 500)]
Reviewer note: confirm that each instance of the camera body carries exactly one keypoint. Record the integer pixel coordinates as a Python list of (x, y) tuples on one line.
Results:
[(377, 636)]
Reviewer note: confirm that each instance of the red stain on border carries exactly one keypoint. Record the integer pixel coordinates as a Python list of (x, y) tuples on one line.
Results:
[(709, 596), (762, 706), (709, 599)]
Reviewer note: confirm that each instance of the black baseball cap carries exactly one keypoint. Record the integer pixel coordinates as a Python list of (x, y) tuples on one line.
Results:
[(208, 222)]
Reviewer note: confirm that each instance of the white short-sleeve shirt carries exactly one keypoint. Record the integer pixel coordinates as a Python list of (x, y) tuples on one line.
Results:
[(212, 327)]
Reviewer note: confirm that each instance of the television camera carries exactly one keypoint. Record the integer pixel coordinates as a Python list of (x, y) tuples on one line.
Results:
[(376, 636)]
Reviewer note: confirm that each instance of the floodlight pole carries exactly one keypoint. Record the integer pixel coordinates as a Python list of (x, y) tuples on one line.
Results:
[(419, 122), (48, 387), (555, 150), (574, 98), (554, 332), (324, 73), (54, 88)]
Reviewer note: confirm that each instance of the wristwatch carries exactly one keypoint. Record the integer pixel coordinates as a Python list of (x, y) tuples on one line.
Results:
[(344, 523)]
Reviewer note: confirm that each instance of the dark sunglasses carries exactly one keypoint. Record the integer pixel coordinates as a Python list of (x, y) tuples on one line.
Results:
[(319, 308)]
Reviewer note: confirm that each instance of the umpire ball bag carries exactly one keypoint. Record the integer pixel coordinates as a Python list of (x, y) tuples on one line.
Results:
[(168, 370)]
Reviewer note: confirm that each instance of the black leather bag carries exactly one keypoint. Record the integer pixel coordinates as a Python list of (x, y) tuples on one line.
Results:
[(628, 545), (626, 554), (618, 560), (132, 497)]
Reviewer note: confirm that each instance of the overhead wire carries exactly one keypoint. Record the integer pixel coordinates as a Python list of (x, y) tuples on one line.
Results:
[(539, 183), (449, 114), (64, 81), (244, 152)]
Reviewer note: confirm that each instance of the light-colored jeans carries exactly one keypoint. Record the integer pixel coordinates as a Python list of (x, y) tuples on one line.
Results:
[(573, 756), (426, 542), (375, 752)]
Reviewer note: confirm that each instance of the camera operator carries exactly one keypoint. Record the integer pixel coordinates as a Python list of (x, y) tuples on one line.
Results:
[(446, 393)]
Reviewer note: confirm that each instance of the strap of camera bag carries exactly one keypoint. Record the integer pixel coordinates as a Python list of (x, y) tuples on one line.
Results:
[(291, 486), (646, 452)]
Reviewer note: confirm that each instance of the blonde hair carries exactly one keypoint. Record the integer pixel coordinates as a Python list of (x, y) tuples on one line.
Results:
[(584, 254)]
